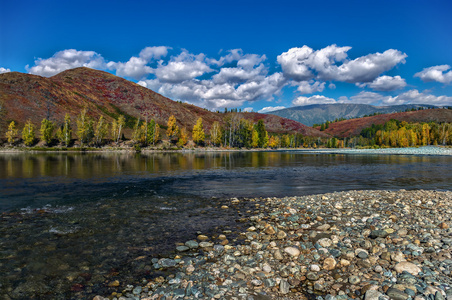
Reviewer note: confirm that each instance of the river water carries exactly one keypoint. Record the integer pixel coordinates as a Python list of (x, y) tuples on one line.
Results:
[(72, 223)]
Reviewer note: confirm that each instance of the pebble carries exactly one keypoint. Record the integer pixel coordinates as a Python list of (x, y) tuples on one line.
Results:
[(405, 266), (371, 245), (292, 251)]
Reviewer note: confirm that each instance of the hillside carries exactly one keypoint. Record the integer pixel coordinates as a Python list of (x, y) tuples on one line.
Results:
[(354, 127), (320, 113), (33, 97)]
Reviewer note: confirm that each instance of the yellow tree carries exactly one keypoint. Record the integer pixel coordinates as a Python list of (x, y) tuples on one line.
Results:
[(198, 132), (215, 134), (255, 139), (273, 142), (12, 132), (172, 130), (183, 137), (28, 133)]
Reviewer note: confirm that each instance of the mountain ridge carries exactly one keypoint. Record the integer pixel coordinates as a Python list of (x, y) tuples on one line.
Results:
[(320, 113), (32, 97)]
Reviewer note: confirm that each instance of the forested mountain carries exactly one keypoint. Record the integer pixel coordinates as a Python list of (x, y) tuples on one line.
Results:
[(30, 97), (320, 113), (353, 127)]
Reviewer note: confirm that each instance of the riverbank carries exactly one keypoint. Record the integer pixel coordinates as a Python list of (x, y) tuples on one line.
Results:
[(347, 245), (427, 150)]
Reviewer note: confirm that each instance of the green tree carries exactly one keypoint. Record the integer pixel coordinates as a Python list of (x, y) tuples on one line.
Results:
[(28, 133), (85, 128), (260, 127), (64, 133), (151, 132), (47, 128), (215, 134), (116, 128), (100, 131), (136, 132), (2, 117), (198, 132), (12, 132), (255, 139), (173, 130)]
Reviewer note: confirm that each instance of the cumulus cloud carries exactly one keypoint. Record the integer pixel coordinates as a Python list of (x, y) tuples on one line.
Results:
[(67, 59), (364, 98), (248, 109), (4, 70), (185, 66), (416, 97), (386, 83), (137, 67), (332, 63), (310, 87), (270, 109), (436, 73), (315, 99)]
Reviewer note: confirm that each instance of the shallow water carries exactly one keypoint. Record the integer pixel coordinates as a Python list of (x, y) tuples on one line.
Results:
[(72, 222)]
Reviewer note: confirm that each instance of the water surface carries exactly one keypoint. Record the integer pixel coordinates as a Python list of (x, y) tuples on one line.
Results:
[(71, 223)]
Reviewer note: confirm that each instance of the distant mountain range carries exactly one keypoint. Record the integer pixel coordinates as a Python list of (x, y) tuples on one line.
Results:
[(320, 113), (30, 97)]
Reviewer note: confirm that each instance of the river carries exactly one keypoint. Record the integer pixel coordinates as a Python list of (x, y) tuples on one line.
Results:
[(71, 223)]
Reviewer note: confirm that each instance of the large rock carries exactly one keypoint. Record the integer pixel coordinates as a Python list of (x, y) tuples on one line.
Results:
[(407, 266), (292, 251)]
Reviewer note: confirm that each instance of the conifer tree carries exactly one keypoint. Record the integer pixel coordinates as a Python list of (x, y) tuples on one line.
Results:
[(198, 132), (12, 132), (151, 132), (47, 128), (28, 133)]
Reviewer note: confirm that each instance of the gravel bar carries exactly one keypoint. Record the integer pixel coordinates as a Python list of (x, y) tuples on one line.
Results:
[(371, 245), (427, 150)]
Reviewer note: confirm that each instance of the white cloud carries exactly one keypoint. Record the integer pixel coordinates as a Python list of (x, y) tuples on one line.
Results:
[(4, 70), (315, 99), (304, 63), (364, 98), (386, 83), (137, 67), (332, 86), (270, 108), (416, 97), (248, 109), (185, 66), (310, 87), (436, 73), (67, 59)]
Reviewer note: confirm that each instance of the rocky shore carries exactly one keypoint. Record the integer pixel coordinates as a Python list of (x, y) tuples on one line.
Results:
[(370, 245)]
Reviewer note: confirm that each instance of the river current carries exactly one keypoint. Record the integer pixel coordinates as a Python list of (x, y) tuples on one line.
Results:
[(72, 223)]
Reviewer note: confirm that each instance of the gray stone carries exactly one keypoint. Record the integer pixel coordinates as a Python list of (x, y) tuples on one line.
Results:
[(378, 234), (396, 294), (372, 295), (284, 287)]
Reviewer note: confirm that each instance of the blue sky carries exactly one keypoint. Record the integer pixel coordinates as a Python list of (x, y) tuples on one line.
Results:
[(256, 55)]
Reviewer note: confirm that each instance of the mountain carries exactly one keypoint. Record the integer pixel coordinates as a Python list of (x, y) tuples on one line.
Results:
[(31, 97), (353, 127), (320, 113)]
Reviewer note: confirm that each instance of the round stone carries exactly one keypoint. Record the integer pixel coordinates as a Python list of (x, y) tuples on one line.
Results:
[(407, 266), (292, 251)]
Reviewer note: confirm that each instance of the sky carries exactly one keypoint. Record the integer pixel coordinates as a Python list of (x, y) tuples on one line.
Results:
[(251, 55)]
